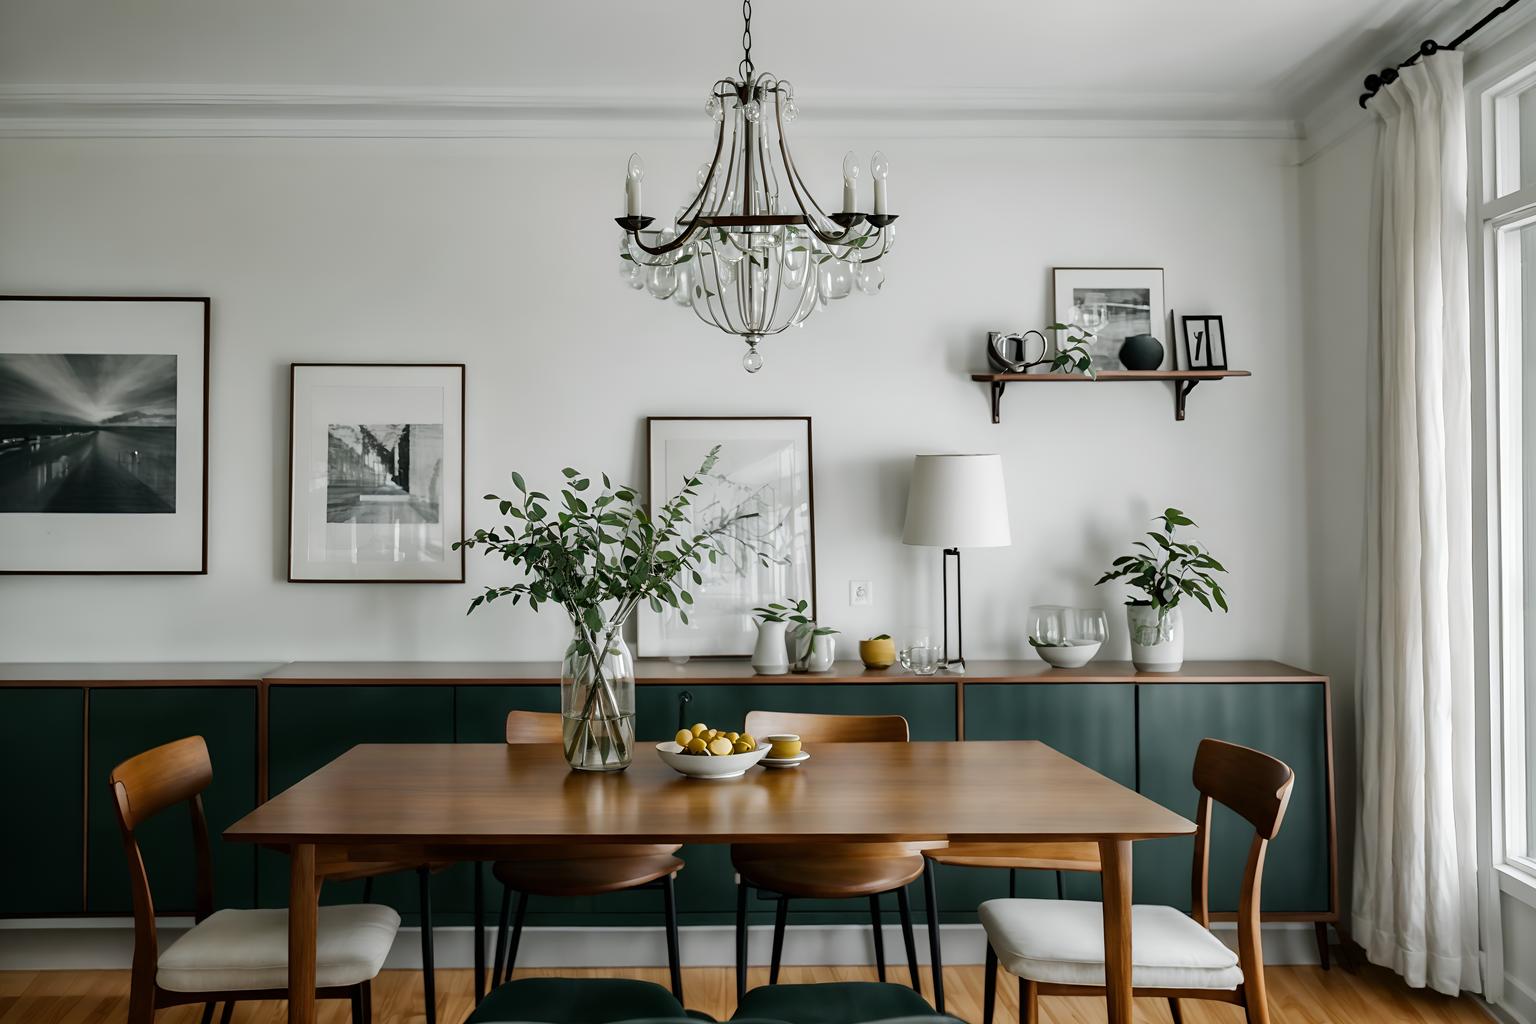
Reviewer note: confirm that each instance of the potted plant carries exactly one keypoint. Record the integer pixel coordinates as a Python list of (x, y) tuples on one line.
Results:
[(598, 556), (810, 647), (1165, 571), (878, 652), (770, 655)]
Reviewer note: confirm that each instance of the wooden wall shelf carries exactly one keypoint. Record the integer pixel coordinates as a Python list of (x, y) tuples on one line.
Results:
[(1183, 381)]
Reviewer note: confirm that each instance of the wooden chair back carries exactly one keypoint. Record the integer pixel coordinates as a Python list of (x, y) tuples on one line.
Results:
[(534, 727), (813, 728), (143, 786), (1257, 787)]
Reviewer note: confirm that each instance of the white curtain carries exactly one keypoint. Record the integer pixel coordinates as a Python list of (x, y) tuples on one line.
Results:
[(1415, 882)]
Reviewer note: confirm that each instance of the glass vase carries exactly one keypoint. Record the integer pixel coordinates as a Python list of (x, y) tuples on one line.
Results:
[(597, 703)]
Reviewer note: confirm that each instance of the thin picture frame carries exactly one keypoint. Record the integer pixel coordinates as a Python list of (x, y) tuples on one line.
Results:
[(204, 316), (1213, 337), (449, 538), (1105, 347), (647, 636)]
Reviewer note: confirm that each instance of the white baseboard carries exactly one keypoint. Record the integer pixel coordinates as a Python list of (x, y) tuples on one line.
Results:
[(107, 944)]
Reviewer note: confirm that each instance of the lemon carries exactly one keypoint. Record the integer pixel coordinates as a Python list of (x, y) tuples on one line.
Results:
[(748, 739), (697, 746), (720, 746), (682, 738), (742, 747), (698, 727), (733, 736)]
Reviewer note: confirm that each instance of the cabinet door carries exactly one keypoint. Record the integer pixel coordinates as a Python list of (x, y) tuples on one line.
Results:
[(1092, 723), (1281, 719), (129, 721), (706, 892), (480, 712), (310, 726), (42, 755)]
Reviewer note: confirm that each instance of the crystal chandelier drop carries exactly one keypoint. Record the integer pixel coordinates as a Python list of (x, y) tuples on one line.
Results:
[(753, 253)]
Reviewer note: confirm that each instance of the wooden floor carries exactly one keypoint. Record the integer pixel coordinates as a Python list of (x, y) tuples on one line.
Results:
[(1298, 995)]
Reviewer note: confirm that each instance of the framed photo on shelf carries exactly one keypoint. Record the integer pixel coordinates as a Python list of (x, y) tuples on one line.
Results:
[(376, 473), (1205, 343), (1113, 303), (103, 435), (762, 484)]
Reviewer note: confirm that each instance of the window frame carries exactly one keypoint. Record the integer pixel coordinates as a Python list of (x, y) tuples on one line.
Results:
[(1495, 222)]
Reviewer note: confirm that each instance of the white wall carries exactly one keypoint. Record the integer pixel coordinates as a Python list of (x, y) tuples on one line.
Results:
[(501, 254)]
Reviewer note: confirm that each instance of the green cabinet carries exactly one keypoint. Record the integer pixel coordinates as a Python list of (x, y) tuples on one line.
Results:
[(1285, 720), (127, 721), (42, 757), (706, 892), (310, 726), (1094, 723)]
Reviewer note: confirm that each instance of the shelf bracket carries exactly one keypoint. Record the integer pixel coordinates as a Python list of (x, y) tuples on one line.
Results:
[(997, 400), (1181, 390)]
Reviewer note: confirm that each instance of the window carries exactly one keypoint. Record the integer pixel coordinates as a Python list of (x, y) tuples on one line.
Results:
[(1506, 214)]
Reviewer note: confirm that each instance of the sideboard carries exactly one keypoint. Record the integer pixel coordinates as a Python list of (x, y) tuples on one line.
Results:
[(63, 727)]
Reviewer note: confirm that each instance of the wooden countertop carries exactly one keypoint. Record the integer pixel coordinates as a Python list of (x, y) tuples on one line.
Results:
[(135, 673), (732, 671)]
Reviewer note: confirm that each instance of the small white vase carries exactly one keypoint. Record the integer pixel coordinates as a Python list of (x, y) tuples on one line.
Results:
[(1157, 643), (770, 657), (815, 656)]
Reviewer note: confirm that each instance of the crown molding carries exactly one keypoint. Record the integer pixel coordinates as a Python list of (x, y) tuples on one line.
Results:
[(90, 111)]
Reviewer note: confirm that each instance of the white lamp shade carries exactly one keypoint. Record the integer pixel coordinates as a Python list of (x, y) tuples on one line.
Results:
[(957, 501)]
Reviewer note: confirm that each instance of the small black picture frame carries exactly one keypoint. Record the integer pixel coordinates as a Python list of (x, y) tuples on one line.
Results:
[(1205, 343)]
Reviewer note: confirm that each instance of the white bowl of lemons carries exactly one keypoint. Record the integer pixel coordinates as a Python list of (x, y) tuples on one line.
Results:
[(704, 753)]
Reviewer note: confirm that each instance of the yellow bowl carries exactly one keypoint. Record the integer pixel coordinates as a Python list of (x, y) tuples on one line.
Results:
[(786, 745), (878, 654)]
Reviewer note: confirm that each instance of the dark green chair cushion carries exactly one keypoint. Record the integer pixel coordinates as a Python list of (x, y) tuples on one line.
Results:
[(576, 1001), (840, 1002)]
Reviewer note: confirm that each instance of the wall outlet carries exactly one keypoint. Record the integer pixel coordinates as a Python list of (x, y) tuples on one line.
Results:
[(861, 593)]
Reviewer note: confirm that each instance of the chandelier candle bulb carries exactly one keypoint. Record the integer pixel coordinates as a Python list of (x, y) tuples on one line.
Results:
[(632, 185), (850, 183), (879, 169)]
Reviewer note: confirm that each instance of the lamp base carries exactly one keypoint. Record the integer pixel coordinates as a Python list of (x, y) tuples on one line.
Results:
[(955, 667)]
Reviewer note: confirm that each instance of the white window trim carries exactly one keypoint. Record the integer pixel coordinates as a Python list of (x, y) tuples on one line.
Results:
[(1495, 101)]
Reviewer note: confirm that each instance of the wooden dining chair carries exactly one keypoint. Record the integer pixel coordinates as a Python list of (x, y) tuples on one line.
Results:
[(805, 871), (1056, 947), (229, 955), (573, 869), (1060, 858)]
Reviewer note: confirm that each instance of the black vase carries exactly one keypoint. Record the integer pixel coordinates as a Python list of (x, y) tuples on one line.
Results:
[(1141, 352)]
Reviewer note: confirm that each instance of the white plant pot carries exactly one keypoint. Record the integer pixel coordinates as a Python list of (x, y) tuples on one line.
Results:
[(819, 658), (1157, 644), (770, 657)]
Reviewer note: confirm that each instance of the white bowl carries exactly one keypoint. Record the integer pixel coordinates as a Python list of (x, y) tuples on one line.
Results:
[(709, 766), (1075, 656)]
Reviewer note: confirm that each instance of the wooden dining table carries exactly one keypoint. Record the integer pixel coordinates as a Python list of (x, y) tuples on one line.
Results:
[(460, 801)]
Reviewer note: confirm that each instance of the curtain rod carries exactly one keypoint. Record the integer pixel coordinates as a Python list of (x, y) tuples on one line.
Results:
[(1376, 82)]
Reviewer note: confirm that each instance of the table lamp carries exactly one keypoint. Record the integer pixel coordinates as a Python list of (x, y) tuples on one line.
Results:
[(954, 502)]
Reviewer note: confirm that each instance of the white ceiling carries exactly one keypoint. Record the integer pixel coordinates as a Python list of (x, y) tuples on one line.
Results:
[(1250, 57)]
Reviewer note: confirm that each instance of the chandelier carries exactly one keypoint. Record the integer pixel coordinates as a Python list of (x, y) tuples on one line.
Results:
[(753, 253)]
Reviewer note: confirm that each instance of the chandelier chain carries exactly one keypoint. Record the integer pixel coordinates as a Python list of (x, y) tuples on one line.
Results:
[(746, 41)]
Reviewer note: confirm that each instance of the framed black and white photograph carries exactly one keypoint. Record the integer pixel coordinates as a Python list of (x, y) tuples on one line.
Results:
[(376, 473), (103, 435), (1205, 343), (1114, 304), (763, 481)]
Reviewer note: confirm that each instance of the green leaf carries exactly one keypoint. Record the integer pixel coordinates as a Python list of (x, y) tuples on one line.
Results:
[(517, 481)]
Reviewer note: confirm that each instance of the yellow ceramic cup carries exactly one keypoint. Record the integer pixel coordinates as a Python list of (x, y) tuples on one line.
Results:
[(787, 745), (877, 654)]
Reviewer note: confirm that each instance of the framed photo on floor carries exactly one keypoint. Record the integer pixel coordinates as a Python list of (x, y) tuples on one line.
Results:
[(762, 484), (1113, 303), (376, 473), (103, 435)]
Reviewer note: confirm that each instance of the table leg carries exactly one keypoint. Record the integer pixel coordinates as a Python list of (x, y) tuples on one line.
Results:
[(303, 923), (1115, 857)]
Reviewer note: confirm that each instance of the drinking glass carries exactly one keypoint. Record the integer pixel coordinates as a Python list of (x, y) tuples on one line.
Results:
[(921, 659)]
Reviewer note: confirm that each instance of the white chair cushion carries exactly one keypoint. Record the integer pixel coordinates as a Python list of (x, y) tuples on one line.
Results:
[(1061, 942), (247, 950)]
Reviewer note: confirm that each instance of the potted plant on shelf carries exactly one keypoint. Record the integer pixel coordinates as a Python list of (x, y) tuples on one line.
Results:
[(598, 556), (770, 655), (810, 647), (1165, 571)]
